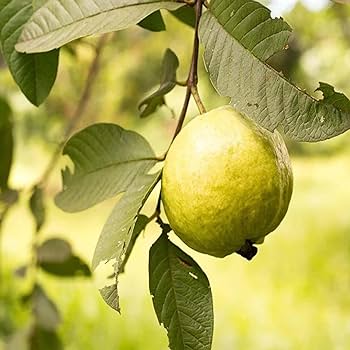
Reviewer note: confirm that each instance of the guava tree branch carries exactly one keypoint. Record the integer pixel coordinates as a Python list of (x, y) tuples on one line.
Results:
[(80, 109), (7, 200), (12, 195)]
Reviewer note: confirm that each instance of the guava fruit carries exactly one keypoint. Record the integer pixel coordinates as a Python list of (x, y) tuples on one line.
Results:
[(226, 182)]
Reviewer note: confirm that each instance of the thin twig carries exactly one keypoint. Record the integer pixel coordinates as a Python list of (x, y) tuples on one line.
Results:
[(198, 100), (183, 113), (192, 79), (79, 111), (7, 200), (2, 217)]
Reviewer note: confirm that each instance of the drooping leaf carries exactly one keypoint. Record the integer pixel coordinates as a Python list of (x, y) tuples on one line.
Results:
[(186, 15), (34, 74), (55, 256), (72, 267), (154, 22), (107, 159), (140, 225), (54, 250), (45, 311), (6, 143), (181, 297), (110, 295), (60, 21), (167, 83), (238, 36), (151, 104), (37, 207), (117, 232)]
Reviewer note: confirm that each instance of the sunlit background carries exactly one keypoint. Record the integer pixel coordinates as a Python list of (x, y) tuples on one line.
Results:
[(294, 295), (281, 7)]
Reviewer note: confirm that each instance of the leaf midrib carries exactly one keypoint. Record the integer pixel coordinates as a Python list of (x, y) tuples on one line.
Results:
[(88, 17), (116, 164), (175, 298)]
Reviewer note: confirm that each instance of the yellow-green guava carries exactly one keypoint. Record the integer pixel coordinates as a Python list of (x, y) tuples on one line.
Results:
[(226, 181)]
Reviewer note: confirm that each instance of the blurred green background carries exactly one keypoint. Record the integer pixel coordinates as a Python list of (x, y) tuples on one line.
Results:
[(294, 295)]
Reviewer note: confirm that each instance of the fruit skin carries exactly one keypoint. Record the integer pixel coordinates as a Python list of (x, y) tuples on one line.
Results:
[(225, 180)]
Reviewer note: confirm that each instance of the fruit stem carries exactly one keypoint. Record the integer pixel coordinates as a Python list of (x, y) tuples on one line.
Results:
[(248, 251), (198, 100), (192, 79)]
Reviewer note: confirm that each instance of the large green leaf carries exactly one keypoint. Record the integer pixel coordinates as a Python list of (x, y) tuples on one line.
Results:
[(6, 143), (170, 65), (61, 21), (181, 297), (116, 235), (117, 231), (140, 225), (34, 74), (239, 36), (107, 159)]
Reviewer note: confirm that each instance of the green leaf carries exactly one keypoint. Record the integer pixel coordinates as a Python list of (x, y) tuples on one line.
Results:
[(238, 37), (149, 105), (167, 83), (140, 225), (59, 22), (107, 159), (154, 22), (34, 74), (250, 23), (110, 295), (337, 99), (45, 311), (117, 233), (42, 339), (6, 143), (72, 267), (37, 207), (186, 14), (55, 256), (54, 250), (38, 3), (181, 297)]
